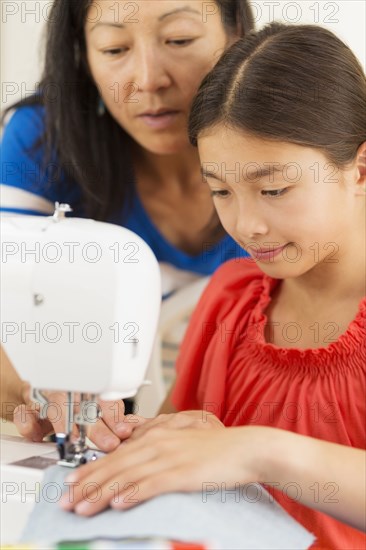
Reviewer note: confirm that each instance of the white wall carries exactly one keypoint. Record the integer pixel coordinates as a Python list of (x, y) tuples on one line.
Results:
[(22, 25), (346, 18), (23, 22)]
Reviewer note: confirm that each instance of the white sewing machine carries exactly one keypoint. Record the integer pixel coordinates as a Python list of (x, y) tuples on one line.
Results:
[(80, 302)]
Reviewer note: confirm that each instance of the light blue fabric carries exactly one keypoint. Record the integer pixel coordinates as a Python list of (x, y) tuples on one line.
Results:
[(246, 518)]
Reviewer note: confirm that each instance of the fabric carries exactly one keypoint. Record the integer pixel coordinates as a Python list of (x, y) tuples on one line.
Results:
[(226, 367), (244, 519), (29, 187)]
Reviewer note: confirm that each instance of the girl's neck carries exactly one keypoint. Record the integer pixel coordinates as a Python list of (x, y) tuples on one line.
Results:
[(339, 277), (321, 303)]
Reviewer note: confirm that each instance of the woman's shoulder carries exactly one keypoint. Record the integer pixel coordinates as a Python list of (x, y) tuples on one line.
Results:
[(24, 124), (30, 182)]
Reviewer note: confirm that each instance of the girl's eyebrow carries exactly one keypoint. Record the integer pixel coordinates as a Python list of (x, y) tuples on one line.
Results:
[(253, 175), (161, 18)]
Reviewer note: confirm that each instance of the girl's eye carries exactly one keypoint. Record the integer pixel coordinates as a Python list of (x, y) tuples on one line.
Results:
[(181, 42), (221, 194), (274, 192)]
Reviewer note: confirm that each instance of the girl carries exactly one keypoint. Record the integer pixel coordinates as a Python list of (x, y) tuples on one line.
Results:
[(276, 342)]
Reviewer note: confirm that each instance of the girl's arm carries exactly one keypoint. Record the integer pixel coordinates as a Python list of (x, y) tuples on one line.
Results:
[(167, 406), (169, 460), (330, 477)]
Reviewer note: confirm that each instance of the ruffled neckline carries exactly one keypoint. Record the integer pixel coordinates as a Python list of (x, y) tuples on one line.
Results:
[(348, 342)]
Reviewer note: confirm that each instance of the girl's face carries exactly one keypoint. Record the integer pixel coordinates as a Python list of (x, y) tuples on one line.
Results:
[(148, 59), (286, 204)]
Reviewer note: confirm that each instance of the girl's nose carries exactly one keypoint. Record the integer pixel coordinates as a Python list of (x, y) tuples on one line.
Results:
[(249, 224)]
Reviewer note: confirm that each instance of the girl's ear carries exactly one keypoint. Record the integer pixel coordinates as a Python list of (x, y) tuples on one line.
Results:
[(361, 167)]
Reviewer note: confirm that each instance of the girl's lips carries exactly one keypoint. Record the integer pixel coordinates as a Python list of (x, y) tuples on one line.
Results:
[(161, 120), (266, 254)]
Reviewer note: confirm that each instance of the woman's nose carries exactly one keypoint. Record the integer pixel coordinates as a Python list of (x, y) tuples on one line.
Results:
[(150, 69)]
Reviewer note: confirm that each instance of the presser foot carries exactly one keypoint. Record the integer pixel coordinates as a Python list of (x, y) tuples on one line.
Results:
[(75, 454)]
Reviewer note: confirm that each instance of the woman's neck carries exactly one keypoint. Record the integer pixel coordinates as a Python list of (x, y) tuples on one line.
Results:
[(176, 171)]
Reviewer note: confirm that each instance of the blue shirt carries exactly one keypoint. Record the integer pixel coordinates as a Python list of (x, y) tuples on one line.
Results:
[(30, 187)]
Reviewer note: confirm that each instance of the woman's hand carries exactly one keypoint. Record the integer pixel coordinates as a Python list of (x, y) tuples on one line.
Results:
[(106, 433), (164, 460)]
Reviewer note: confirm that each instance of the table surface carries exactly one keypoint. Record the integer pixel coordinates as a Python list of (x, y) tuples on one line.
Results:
[(19, 485)]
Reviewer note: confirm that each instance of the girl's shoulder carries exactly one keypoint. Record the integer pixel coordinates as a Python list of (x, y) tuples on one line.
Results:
[(237, 276), (236, 268), (238, 285)]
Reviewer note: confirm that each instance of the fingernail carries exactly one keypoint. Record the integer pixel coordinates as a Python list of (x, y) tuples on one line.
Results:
[(71, 478), (82, 507), (65, 503), (122, 428), (110, 441)]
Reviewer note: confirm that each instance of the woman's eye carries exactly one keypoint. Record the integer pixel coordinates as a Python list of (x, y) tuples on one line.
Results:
[(114, 51), (222, 194), (181, 42), (274, 192)]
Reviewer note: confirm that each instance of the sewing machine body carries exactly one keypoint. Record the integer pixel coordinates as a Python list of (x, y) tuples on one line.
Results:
[(78, 314), (80, 303)]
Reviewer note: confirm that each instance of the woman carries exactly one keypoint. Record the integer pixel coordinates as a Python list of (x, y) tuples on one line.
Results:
[(107, 131)]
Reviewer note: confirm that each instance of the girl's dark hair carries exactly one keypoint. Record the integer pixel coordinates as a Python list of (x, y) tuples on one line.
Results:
[(299, 84), (93, 150)]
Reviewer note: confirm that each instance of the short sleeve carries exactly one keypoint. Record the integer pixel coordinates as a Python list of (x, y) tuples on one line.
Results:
[(29, 184), (210, 338)]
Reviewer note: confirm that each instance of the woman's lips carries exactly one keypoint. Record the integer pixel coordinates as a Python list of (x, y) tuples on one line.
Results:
[(265, 254), (160, 120)]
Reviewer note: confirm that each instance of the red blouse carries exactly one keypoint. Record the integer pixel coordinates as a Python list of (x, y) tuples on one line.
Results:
[(226, 367)]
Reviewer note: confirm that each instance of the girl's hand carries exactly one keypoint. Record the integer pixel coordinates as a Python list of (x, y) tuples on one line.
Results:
[(106, 433), (165, 460), (187, 419)]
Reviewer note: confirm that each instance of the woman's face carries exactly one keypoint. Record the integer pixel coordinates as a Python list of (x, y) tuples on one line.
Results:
[(148, 59), (286, 204)]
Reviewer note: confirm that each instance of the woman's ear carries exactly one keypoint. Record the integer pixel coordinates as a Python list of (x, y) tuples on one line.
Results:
[(231, 39), (361, 168)]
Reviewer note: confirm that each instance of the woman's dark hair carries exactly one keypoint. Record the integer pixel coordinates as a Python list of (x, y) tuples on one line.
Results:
[(93, 150), (299, 84)]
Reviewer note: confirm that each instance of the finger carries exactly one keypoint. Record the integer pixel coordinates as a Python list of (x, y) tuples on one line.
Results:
[(25, 391), (128, 453), (113, 415), (103, 437), (126, 483), (29, 425), (102, 493), (156, 483), (56, 411), (103, 472), (163, 420)]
